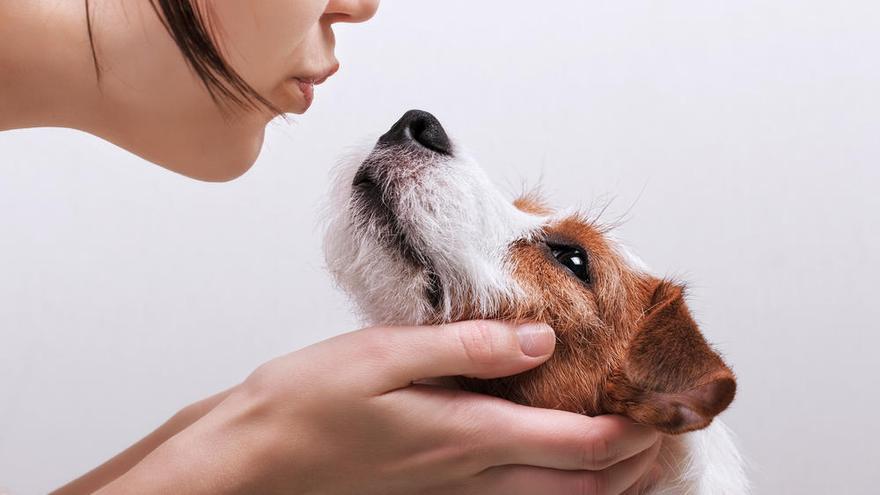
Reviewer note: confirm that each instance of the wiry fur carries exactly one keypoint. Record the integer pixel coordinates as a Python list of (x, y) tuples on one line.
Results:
[(414, 218), (452, 217)]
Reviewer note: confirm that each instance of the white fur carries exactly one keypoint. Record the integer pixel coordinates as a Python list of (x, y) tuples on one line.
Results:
[(704, 462), (453, 216), (457, 219)]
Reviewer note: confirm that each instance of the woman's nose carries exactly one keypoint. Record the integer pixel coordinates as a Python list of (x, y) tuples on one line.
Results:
[(350, 10)]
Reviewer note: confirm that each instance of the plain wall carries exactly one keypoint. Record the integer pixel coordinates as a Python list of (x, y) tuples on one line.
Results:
[(741, 141)]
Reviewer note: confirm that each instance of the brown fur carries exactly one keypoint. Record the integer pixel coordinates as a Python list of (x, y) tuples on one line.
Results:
[(627, 343)]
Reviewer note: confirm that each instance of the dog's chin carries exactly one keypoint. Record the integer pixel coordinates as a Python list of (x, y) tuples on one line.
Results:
[(373, 216), (385, 176)]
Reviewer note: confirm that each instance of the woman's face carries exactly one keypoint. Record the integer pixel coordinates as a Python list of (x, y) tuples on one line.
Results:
[(282, 46), (155, 105)]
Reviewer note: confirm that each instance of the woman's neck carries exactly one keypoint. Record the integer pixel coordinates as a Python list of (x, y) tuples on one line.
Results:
[(47, 75), (147, 99)]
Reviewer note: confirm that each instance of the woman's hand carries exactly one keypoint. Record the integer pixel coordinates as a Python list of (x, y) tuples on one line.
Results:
[(343, 417)]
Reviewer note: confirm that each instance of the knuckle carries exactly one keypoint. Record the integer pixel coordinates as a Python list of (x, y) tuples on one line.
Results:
[(471, 411), (474, 457), (597, 452), (477, 423), (469, 443), (594, 483), (262, 382), (478, 341)]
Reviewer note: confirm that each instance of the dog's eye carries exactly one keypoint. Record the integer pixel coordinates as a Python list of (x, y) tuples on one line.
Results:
[(573, 258)]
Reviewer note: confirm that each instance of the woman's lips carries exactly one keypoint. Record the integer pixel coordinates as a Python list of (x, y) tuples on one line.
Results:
[(307, 85), (307, 88)]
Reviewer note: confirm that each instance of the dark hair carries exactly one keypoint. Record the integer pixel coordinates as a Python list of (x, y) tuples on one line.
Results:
[(191, 30)]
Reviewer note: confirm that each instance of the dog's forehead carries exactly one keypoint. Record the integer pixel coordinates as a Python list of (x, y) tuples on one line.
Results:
[(576, 229), (569, 227)]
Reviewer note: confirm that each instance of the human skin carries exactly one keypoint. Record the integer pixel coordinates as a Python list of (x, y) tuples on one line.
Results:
[(302, 419), (302, 423), (148, 100)]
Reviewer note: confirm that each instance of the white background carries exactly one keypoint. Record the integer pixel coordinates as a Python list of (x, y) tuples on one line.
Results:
[(741, 136)]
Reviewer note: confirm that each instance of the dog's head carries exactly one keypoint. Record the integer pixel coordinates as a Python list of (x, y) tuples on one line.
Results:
[(420, 235)]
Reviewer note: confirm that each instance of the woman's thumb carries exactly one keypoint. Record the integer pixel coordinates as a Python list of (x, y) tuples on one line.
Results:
[(477, 348)]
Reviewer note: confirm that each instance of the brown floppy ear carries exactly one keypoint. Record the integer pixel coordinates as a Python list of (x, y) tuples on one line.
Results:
[(671, 378)]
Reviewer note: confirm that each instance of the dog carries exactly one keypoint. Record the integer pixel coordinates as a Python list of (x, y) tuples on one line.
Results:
[(419, 235)]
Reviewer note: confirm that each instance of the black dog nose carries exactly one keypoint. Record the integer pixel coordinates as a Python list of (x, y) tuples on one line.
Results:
[(421, 127)]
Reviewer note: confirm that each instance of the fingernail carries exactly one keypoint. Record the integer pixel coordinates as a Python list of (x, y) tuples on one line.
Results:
[(536, 339)]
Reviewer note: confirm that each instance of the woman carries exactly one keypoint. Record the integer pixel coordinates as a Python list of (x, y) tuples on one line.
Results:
[(191, 86)]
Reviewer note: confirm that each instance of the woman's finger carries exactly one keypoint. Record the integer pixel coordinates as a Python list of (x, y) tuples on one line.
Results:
[(505, 433), (564, 440), (481, 349), (530, 480)]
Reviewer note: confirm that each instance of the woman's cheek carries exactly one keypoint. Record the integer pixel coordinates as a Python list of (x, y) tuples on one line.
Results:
[(261, 38), (260, 26)]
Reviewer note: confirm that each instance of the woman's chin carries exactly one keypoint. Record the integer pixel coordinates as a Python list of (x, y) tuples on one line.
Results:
[(220, 162)]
